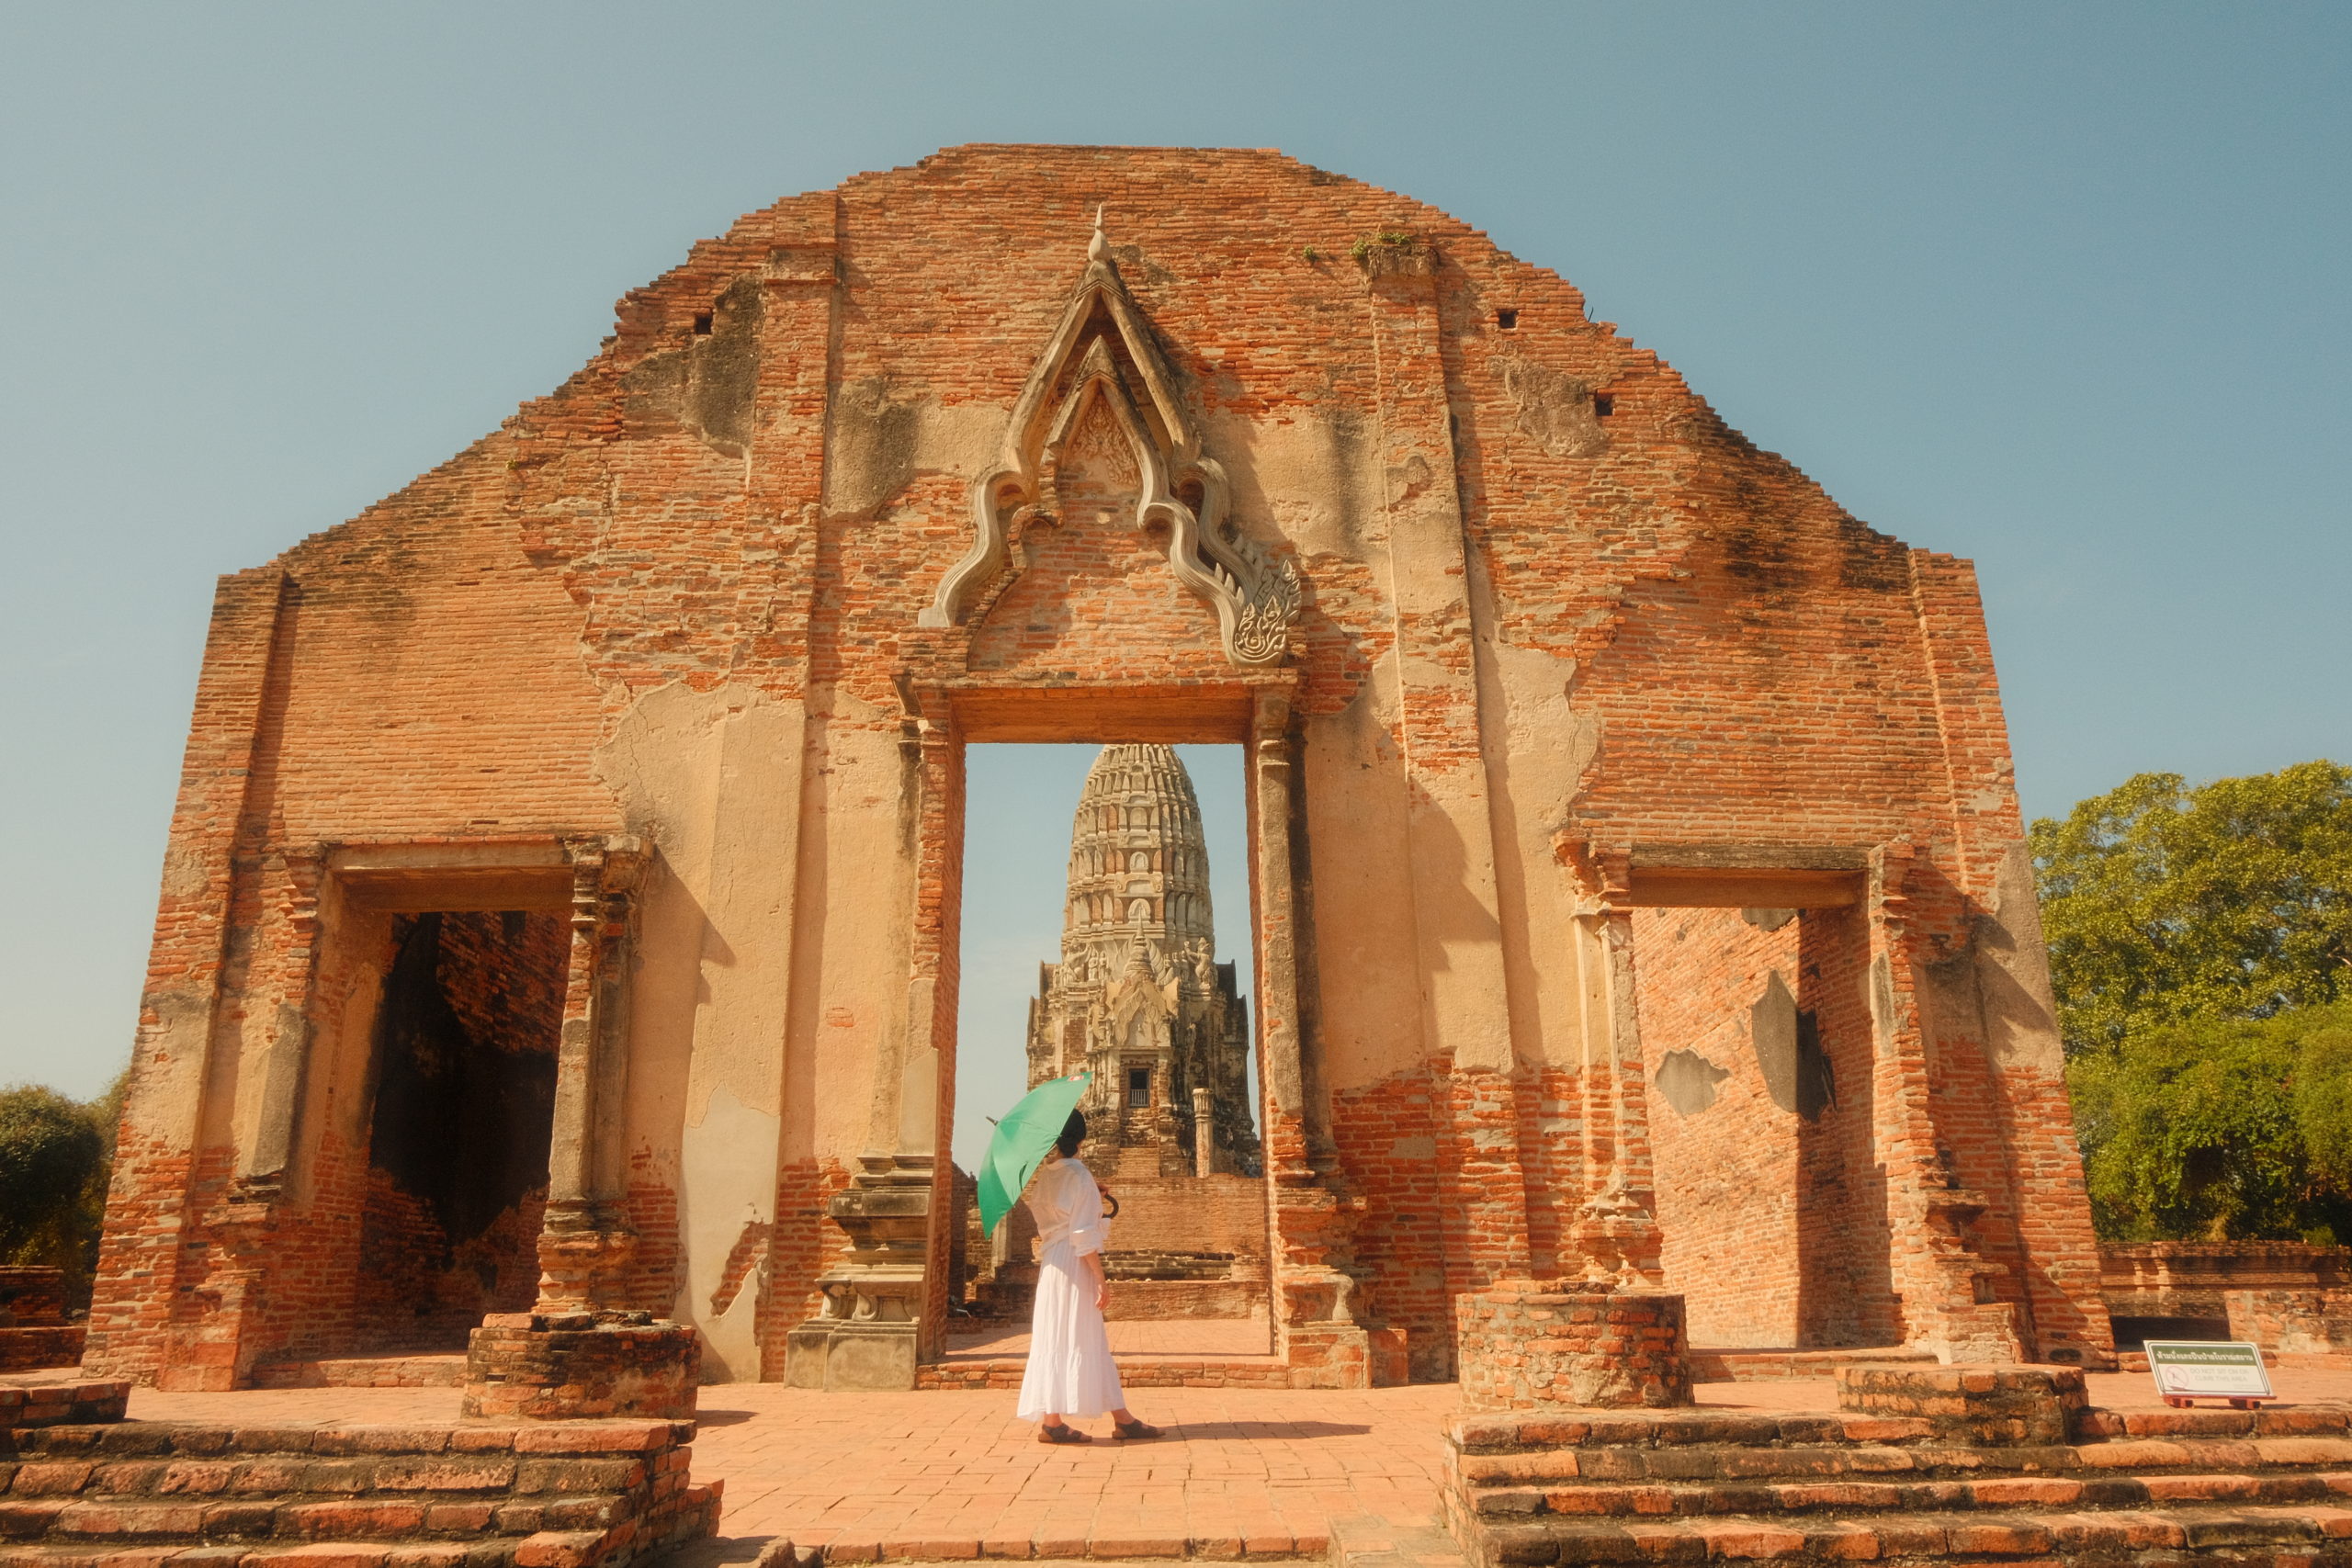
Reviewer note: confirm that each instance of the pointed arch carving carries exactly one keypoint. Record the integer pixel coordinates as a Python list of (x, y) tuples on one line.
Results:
[(1255, 597)]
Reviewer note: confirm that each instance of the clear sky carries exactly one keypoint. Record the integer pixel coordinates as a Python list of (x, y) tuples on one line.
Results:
[(2061, 287)]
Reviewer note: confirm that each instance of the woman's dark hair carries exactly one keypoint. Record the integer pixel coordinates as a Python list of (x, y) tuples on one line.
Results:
[(1073, 1135)]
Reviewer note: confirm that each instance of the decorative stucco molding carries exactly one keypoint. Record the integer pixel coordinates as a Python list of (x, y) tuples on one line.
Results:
[(1256, 598)]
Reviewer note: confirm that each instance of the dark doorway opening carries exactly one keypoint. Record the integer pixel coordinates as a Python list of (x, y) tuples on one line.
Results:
[(464, 1060)]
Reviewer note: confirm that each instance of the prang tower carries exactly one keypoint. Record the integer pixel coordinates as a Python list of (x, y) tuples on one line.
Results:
[(1138, 996)]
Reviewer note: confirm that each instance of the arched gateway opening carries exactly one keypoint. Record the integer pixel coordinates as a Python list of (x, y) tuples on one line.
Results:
[(618, 767)]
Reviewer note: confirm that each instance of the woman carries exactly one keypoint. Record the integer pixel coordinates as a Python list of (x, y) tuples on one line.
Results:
[(1070, 1372)]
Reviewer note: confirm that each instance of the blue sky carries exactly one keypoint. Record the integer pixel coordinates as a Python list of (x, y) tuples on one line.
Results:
[(2060, 288)]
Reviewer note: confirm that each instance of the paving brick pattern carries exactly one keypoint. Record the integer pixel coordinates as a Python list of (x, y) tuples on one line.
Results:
[(949, 1473)]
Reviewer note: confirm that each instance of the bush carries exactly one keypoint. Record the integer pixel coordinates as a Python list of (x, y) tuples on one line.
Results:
[(55, 1157)]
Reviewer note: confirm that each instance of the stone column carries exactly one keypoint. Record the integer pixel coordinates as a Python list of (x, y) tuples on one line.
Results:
[(1203, 1133), (1945, 1288), (1614, 1234), (580, 1351), (1609, 1336), (1315, 1324), (585, 1249)]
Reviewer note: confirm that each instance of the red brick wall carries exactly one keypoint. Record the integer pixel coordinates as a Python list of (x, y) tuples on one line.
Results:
[(1621, 632), (1727, 1172), (1180, 1213), (1774, 1221)]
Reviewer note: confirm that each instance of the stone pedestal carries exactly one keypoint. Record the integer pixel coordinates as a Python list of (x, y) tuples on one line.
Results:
[(868, 1335), (1529, 1344), (563, 1366), (1997, 1408)]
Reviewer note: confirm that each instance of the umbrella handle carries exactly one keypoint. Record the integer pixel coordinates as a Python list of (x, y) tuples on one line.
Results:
[(1110, 1207)]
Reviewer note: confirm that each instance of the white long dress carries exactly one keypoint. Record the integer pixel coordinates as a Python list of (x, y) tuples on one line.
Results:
[(1070, 1372)]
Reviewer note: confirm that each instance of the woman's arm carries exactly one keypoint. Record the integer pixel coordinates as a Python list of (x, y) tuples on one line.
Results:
[(1093, 1261)]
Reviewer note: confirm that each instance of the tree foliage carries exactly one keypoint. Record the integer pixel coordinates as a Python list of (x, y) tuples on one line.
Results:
[(2219, 1129), (2200, 947), (2164, 904), (55, 1157)]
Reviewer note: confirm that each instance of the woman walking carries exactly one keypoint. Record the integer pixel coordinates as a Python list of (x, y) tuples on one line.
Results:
[(1070, 1372)]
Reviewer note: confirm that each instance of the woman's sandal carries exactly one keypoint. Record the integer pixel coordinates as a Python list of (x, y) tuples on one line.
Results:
[(1134, 1431), (1065, 1433)]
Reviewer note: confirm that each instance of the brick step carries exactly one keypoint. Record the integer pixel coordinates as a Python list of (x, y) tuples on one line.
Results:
[(2322, 1535), (1707, 1463), (1576, 1431), (507, 1552), (447, 1370), (1503, 1504), (300, 1476), (570, 1493), (1719, 1365), (304, 1519)]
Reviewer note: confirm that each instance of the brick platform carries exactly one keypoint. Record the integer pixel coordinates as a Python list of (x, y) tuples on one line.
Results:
[(1289, 1473), (2133, 1487), (53, 1402), (33, 1330), (551, 1495), (1716, 1365), (365, 1371), (553, 1367), (1526, 1345), (1987, 1407)]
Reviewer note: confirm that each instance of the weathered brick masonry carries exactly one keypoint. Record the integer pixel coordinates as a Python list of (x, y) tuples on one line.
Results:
[(658, 694)]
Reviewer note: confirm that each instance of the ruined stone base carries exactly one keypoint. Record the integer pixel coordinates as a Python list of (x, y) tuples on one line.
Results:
[(1983, 1406), (851, 1358), (575, 1495), (42, 1344), (2133, 1489), (558, 1366), (1530, 1344), (53, 1402), (1328, 1355)]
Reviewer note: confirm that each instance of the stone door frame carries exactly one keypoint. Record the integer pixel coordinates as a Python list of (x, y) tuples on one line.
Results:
[(1309, 1295)]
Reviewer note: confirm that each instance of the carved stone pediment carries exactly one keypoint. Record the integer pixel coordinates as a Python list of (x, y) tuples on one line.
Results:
[(1103, 353)]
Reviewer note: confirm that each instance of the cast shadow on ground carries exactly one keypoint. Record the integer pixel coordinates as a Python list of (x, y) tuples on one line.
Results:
[(1255, 1431), (724, 1417)]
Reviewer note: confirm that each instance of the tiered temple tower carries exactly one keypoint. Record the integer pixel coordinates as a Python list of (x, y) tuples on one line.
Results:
[(1138, 996)]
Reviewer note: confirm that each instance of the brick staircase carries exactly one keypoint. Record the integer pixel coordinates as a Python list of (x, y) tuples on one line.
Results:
[(2159, 1487), (540, 1494)]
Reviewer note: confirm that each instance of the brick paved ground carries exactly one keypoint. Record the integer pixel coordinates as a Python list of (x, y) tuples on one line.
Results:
[(949, 1473), (1140, 1336)]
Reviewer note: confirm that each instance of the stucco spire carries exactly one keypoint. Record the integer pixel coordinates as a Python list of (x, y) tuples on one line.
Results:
[(1097, 249)]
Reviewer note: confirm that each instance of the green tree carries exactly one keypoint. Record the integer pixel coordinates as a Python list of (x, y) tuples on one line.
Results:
[(2164, 905), (55, 1157), (2216, 1129)]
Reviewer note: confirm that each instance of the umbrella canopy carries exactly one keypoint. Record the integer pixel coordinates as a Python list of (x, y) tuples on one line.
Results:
[(1020, 1143)]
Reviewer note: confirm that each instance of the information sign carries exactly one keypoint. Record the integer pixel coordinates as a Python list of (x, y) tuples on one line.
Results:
[(2208, 1369)]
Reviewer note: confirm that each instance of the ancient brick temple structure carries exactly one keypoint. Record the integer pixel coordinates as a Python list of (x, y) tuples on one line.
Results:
[(1139, 996), (1639, 891)]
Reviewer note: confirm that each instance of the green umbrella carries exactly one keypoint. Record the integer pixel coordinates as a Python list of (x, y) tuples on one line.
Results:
[(1021, 1142)]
